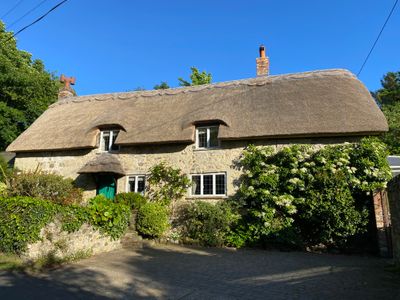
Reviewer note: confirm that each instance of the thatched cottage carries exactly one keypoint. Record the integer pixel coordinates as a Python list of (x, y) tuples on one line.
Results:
[(108, 142)]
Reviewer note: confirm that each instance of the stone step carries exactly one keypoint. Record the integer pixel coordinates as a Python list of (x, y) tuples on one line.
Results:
[(132, 240)]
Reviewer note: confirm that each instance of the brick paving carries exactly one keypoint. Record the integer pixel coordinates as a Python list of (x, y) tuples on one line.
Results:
[(174, 272)]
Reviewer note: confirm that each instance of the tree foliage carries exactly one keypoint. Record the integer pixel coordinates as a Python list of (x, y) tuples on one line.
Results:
[(392, 137), (197, 78), (162, 86), (26, 88), (389, 99), (390, 91)]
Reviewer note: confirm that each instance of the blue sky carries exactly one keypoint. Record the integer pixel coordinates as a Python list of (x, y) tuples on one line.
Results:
[(112, 46)]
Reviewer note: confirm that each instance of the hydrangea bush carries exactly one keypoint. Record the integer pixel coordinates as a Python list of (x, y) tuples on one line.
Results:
[(304, 196)]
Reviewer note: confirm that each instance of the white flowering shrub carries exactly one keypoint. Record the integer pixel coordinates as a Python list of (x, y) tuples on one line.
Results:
[(301, 196)]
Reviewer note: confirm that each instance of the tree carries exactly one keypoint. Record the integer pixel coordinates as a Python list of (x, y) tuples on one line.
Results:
[(392, 137), (390, 91), (26, 88), (389, 98), (162, 86), (196, 77)]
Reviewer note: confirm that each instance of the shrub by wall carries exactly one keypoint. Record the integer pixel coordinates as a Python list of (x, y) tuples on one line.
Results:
[(22, 218), (48, 186), (152, 219), (306, 197), (111, 218), (166, 184), (208, 224), (133, 200)]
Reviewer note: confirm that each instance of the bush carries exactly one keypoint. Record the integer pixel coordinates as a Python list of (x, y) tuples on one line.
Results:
[(111, 218), (330, 214), (45, 186), (72, 217), (209, 224), (152, 220), (133, 200), (306, 197), (21, 220), (166, 183)]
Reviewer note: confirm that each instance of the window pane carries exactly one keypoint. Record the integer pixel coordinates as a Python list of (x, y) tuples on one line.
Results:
[(207, 185), (141, 181), (195, 185), (202, 136), (131, 184), (213, 136), (220, 184), (106, 140), (113, 146)]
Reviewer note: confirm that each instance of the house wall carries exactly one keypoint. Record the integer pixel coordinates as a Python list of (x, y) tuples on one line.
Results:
[(139, 159)]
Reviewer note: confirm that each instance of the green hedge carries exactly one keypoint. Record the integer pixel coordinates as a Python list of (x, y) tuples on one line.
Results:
[(133, 200), (152, 219), (111, 218), (207, 223), (22, 218), (44, 185)]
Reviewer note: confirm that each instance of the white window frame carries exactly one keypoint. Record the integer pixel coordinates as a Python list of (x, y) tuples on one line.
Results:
[(111, 132), (214, 185), (136, 176), (208, 128)]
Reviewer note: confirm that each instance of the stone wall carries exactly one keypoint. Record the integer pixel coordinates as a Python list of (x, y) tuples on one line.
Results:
[(63, 245), (394, 205), (137, 160)]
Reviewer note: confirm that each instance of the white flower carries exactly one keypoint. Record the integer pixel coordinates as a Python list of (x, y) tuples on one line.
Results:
[(294, 180), (303, 170)]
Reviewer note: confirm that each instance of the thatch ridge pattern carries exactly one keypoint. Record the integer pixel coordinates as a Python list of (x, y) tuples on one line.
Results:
[(259, 81)]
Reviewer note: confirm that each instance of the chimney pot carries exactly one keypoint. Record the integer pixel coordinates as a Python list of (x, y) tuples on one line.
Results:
[(262, 51), (262, 63)]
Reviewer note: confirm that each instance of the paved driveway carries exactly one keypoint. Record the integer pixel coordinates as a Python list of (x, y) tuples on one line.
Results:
[(174, 272)]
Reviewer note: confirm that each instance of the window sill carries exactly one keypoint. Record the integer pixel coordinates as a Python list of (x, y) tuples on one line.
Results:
[(206, 149), (199, 197), (111, 152)]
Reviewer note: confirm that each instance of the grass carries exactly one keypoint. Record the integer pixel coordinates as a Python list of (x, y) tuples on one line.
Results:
[(9, 262), (12, 262)]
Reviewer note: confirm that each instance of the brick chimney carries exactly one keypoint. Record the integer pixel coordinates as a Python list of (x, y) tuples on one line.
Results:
[(66, 91), (262, 63)]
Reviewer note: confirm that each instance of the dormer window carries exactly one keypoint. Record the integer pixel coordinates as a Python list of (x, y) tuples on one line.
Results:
[(107, 140), (207, 137)]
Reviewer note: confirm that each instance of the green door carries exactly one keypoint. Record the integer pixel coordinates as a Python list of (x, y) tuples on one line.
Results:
[(106, 185)]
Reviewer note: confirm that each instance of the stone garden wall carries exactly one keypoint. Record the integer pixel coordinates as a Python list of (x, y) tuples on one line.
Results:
[(63, 245)]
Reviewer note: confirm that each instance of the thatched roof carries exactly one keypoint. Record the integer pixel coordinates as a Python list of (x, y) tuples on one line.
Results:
[(103, 163), (319, 103)]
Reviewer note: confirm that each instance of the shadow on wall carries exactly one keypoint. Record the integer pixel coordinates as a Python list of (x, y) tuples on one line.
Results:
[(86, 182), (177, 272)]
